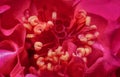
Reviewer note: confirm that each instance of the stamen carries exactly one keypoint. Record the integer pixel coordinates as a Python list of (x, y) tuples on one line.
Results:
[(33, 20), (27, 26), (55, 59), (54, 15), (50, 53), (93, 27), (49, 67), (64, 57), (36, 56), (40, 63), (40, 59), (38, 46), (73, 54), (84, 59), (27, 13), (96, 34), (24, 19), (58, 50), (49, 25), (89, 36), (88, 20), (81, 51), (30, 36), (90, 42), (80, 17), (88, 50), (82, 38), (49, 59), (37, 30)]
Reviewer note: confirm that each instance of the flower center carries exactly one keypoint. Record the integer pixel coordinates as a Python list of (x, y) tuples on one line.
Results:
[(80, 32)]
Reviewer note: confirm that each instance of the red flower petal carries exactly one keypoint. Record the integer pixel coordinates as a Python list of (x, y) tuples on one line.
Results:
[(4, 8), (76, 67)]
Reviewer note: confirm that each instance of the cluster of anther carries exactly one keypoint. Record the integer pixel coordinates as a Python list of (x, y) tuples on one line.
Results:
[(35, 27), (81, 29), (83, 52), (85, 32), (53, 61)]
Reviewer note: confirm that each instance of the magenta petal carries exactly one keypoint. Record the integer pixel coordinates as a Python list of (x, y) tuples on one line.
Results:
[(69, 46), (17, 71), (76, 67), (8, 50), (18, 8), (4, 8), (102, 8), (30, 75), (11, 34), (8, 32), (115, 42), (1, 75), (7, 60)]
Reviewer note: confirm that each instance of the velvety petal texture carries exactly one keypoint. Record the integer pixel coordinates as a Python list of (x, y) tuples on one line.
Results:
[(59, 38)]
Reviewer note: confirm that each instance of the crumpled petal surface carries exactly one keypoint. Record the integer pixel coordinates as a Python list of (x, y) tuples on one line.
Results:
[(102, 62)]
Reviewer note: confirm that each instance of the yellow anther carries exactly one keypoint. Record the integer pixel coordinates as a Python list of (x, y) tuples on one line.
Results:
[(89, 36), (33, 20), (83, 11), (64, 57), (27, 26), (90, 42), (58, 50), (80, 14), (67, 54), (84, 59), (37, 29), (54, 15), (93, 27), (73, 54), (36, 56), (96, 34), (81, 51), (40, 59), (24, 19), (38, 46), (55, 59), (30, 36), (88, 20), (49, 59), (50, 53), (82, 38), (49, 25), (40, 63), (49, 67), (88, 50)]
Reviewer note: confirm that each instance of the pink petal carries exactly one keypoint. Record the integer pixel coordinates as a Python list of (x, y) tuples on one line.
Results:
[(7, 56), (30, 75), (76, 67), (4, 8), (18, 71)]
